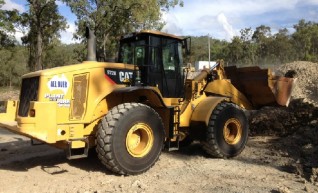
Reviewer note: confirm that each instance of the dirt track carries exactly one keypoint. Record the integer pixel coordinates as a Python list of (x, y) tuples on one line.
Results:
[(260, 168), (281, 156)]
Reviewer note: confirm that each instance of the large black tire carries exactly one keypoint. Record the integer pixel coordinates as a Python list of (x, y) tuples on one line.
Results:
[(130, 138), (227, 132)]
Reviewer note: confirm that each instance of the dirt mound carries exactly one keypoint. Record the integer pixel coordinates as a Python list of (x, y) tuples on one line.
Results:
[(297, 125), (297, 129), (276, 121)]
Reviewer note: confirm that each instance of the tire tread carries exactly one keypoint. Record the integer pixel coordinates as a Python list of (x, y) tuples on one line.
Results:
[(210, 144), (105, 135)]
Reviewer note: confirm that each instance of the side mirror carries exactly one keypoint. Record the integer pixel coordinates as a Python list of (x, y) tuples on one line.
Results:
[(186, 44)]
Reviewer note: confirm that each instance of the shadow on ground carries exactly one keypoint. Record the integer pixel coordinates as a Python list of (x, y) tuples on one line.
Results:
[(21, 156)]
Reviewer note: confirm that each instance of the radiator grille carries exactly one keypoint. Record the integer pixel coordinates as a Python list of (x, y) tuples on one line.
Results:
[(79, 96), (29, 92)]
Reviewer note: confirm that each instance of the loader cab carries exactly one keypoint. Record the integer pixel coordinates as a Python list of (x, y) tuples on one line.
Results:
[(159, 58)]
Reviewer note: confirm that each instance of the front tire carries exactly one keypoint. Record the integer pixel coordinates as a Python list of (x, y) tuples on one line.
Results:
[(130, 138), (227, 132)]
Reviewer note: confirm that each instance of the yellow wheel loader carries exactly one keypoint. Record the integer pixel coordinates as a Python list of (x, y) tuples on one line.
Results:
[(130, 110)]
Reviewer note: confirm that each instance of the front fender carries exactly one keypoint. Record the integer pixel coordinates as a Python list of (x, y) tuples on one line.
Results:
[(201, 116), (202, 112)]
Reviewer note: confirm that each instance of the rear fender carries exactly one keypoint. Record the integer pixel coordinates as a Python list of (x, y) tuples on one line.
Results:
[(146, 95)]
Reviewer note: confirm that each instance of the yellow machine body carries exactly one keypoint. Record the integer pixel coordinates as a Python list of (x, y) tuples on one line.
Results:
[(62, 106)]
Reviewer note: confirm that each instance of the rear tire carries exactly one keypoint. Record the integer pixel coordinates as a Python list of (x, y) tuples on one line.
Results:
[(227, 132), (130, 138)]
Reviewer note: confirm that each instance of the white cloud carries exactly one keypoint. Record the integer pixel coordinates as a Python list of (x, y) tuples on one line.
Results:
[(171, 24), (226, 26), (314, 2), (9, 5), (60, 3), (18, 35), (225, 18), (67, 35)]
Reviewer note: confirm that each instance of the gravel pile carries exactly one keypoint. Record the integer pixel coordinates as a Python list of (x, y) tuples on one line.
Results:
[(296, 125)]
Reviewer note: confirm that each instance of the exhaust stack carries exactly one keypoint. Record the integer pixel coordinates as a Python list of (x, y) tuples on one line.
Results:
[(91, 45)]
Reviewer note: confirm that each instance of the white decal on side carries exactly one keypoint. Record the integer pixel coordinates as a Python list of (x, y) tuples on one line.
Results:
[(111, 72), (59, 98), (54, 97), (59, 83), (63, 102), (125, 75)]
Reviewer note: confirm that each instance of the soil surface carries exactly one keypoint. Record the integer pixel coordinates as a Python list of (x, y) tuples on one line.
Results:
[(281, 156)]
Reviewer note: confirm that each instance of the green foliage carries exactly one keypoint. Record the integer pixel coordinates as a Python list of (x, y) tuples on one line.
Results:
[(261, 47), (8, 20), (6, 40), (44, 23), (305, 40), (111, 19), (200, 52), (61, 55), (12, 65)]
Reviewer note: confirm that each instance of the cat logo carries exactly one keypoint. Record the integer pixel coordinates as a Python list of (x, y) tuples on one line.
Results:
[(125, 76)]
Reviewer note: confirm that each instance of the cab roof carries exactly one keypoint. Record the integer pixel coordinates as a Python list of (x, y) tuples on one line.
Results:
[(152, 32)]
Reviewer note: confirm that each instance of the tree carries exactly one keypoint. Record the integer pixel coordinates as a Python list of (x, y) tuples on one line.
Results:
[(218, 49), (12, 65), (44, 23), (235, 50), (58, 54), (305, 40), (262, 37), (249, 48), (282, 48), (111, 19), (8, 20)]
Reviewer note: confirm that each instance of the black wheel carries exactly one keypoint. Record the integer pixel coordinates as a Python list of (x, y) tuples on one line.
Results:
[(227, 132), (130, 138)]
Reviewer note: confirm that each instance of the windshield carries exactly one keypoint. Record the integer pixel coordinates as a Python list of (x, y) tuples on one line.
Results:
[(132, 52), (159, 61)]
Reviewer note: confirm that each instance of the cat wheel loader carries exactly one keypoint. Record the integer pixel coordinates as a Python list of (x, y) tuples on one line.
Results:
[(130, 110)]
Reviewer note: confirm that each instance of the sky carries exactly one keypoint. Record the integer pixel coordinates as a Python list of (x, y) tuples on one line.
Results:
[(221, 19)]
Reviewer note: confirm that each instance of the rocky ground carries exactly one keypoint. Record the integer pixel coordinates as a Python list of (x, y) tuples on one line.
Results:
[(281, 156)]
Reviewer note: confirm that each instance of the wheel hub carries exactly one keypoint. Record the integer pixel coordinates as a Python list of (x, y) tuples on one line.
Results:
[(139, 140), (232, 131)]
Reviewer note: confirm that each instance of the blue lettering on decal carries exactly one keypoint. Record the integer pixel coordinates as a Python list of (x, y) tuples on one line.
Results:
[(59, 84), (53, 84)]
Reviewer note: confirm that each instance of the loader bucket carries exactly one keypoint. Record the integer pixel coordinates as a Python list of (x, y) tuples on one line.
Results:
[(260, 86)]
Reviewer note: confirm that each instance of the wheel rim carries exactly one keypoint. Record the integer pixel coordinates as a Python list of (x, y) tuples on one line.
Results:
[(139, 140), (232, 131)]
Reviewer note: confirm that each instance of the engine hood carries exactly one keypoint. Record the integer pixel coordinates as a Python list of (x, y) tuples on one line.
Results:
[(78, 67)]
